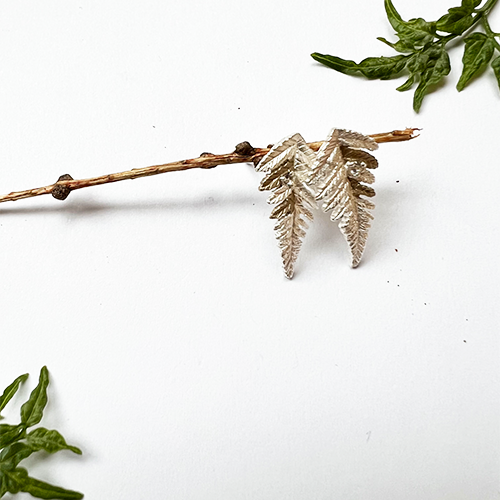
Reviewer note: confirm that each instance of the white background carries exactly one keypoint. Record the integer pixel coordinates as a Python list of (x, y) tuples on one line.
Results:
[(182, 362)]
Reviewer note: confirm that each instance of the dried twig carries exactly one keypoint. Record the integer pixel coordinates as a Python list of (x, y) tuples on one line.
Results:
[(244, 153)]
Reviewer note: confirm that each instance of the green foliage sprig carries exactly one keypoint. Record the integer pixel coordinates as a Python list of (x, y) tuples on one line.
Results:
[(423, 49), (17, 443)]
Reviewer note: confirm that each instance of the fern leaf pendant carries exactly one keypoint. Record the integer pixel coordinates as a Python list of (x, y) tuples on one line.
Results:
[(340, 168), (287, 167)]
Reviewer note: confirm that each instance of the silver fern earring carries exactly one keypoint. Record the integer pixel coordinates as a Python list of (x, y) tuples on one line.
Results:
[(298, 178), (287, 167)]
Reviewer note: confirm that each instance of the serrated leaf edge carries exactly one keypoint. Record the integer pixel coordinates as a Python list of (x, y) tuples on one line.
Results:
[(330, 178), (287, 165)]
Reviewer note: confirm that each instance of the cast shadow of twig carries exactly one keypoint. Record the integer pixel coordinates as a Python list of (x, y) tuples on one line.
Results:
[(86, 208)]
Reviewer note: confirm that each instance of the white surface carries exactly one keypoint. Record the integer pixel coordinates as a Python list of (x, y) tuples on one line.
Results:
[(182, 362)]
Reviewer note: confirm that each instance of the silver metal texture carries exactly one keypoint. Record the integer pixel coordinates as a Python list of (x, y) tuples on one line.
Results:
[(287, 167), (340, 168), (336, 175)]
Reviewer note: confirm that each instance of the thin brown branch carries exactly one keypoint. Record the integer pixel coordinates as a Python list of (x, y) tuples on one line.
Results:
[(244, 153)]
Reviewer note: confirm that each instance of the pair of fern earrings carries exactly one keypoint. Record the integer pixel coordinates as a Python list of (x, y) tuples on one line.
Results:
[(299, 178)]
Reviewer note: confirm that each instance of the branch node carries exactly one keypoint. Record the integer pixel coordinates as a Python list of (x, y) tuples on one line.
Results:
[(62, 192), (244, 149)]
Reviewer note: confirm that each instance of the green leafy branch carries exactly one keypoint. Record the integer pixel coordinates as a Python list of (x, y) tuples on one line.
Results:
[(422, 48), (17, 443)]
